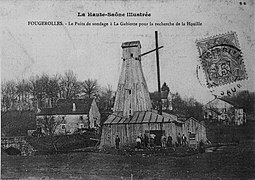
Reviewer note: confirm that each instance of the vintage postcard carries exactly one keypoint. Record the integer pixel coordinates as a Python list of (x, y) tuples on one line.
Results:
[(127, 89)]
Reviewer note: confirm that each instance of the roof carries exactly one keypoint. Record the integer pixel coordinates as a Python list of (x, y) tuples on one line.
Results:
[(236, 105), (192, 118), (65, 106), (230, 102), (140, 117), (131, 44)]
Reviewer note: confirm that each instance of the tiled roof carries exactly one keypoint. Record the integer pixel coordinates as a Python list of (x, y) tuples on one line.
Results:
[(141, 117), (65, 107)]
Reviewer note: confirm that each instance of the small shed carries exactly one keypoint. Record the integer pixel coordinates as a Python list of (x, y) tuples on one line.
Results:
[(142, 122), (194, 130)]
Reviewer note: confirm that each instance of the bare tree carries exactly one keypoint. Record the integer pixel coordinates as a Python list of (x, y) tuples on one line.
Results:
[(69, 86), (23, 94), (105, 101), (51, 90), (90, 87), (45, 90), (37, 90), (8, 95), (49, 125)]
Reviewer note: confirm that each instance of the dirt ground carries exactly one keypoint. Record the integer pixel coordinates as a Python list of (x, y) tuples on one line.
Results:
[(231, 162)]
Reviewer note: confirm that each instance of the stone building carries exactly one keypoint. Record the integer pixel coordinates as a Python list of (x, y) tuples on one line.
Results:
[(224, 111), (72, 114)]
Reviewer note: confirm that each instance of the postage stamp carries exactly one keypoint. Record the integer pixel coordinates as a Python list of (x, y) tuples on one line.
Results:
[(221, 59)]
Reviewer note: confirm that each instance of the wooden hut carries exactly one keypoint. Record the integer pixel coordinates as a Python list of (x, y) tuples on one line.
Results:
[(194, 130), (141, 123)]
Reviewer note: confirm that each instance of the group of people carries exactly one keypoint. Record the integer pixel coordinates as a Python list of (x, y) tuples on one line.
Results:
[(148, 141), (181, 140)]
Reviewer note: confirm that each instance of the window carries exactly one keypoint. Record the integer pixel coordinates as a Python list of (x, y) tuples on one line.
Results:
[(192, 136), (63, 126), (131, 55), (81, 117)]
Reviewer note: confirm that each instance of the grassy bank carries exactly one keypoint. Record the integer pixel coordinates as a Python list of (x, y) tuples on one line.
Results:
[(232, 162)]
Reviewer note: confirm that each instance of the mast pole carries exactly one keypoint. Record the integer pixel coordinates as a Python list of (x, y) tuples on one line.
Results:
[(158, 73)]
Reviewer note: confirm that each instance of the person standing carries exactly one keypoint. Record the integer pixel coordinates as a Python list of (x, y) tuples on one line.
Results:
[(138, 142), (163, 141), (146, 140), (183, 140), (117, 142), (169, 141), (152, 137), (179, 139)]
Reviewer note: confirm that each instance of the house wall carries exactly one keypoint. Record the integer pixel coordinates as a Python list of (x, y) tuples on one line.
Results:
[(193, 126), (210, 114), (239, 116), (71, 122), (94, 114), (129, 132)]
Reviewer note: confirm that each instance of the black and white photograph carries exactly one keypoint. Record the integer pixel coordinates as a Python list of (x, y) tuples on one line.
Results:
[(127, 90)]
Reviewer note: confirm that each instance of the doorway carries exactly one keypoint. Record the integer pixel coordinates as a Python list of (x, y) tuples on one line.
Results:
[(158, 133)]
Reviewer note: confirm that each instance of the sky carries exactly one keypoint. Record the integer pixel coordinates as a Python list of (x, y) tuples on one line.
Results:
[(95, 51)]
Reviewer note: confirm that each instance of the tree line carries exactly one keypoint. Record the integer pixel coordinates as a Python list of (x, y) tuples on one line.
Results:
[(244, 99), (42, 91)]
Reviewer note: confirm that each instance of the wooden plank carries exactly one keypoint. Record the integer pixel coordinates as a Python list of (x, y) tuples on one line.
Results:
[(133, 120), (140, 117), (151, 51), (110, 119), (147, 117), (170, 116), (126, 121), (153, 117), (159, 119), (116, 120), (166, 120), (122, 120), (120, 113)]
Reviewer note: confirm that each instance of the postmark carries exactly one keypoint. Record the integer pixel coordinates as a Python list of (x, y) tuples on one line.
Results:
[(221, 59)]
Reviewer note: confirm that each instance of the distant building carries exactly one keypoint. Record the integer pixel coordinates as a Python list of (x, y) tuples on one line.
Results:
[(224, 111), (72, 114)]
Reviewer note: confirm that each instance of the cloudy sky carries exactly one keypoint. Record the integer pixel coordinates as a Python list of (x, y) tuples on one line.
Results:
[(95, 51)]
